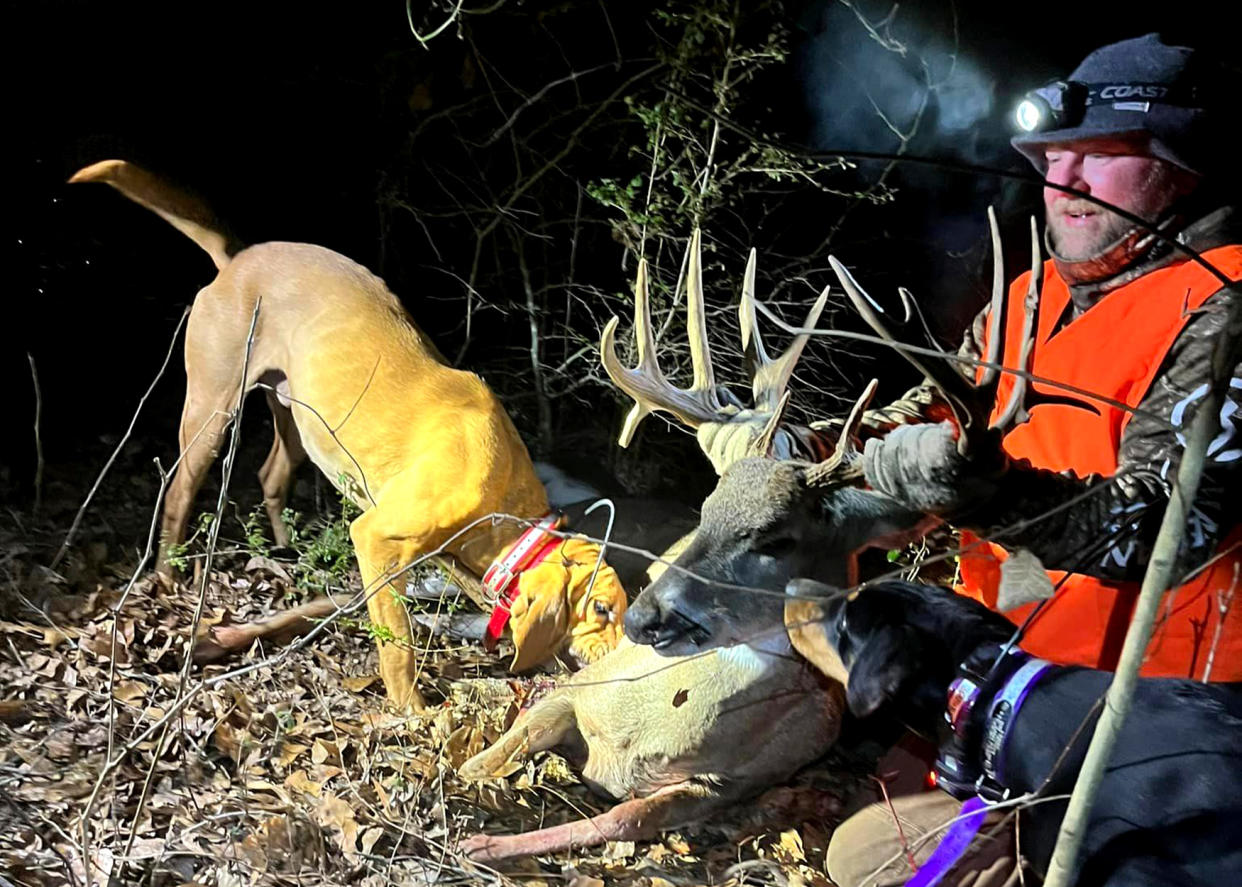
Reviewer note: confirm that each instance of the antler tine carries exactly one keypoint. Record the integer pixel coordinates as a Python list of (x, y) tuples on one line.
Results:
[(762, 445), (770, 377), (835, 470), (747, 319), (1015, 411), (998, 313), (645, 383), (696, 323), (959, 393)]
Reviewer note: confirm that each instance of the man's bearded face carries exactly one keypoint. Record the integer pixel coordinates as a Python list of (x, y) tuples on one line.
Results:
[(1114, 170)]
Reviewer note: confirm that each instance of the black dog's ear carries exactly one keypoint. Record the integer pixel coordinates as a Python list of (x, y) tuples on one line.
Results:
[(889, 657)]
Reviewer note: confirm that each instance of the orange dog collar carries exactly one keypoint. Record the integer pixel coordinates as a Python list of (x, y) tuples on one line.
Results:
[(500, 580)]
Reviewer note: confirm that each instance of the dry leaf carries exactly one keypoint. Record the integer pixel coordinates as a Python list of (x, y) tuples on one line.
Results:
[(290, 752), (676, 843), (337, 814), (12, 710), (129, 691), (299, 781), (1023, 581), (360, 683), (324, 751), (258, 563), (370, 836), (228, 740), (790, 848), (618, 850)]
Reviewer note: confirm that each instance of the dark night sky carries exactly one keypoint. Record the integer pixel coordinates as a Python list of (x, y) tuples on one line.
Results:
[(283, 114)]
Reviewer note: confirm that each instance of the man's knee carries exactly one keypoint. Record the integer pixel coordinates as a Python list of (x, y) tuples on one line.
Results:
[(869, 849)]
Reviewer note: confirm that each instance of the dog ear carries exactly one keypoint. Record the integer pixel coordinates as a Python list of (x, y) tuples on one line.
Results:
[(808, 632), (539, 616), (889, 657)]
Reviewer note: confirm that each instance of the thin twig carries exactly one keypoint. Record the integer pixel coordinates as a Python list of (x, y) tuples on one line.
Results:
[(1063, 866), (77, 518), (424, 39), (38, 439), (1224, 602)]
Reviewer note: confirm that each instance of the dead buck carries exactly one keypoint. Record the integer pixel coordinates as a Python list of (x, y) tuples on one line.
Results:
[(683, 736), (423, 449), (684, 731), (770, 520), (674, 738)]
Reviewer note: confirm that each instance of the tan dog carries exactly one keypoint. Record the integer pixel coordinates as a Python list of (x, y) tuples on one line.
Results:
[(422, 448)]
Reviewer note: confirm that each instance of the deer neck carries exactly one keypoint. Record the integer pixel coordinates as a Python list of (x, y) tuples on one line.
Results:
[(761, 653)]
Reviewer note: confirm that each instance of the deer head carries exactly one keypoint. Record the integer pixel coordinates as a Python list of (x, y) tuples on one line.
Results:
[(780, 509)]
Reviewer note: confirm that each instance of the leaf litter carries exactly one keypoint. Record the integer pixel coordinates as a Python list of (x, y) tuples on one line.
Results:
[(293, 771)]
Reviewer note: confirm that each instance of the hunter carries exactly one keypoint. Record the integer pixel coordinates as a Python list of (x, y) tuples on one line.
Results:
[(1143, 125)]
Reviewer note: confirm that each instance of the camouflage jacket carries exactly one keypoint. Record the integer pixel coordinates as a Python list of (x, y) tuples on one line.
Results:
[(1108, 532)]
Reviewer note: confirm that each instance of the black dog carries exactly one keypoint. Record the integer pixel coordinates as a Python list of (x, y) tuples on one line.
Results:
[(1170, 808)]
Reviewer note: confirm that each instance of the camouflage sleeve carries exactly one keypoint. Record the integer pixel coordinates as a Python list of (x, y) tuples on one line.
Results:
[(1105, 527)]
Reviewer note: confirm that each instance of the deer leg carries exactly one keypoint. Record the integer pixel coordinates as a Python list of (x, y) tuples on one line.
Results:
[(218, 641), (545, 726), (634, 820), (282, 461)]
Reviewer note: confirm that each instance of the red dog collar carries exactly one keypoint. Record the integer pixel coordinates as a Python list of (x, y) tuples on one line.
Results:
[(500, 580)]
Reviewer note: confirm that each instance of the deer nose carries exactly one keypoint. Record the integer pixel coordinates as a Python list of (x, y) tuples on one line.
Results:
[(642, 620)]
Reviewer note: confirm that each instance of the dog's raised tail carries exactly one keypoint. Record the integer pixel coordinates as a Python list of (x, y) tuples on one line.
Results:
[(185, 212)]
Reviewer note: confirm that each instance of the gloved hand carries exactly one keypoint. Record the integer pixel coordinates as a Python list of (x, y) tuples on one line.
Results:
[(920, 467)]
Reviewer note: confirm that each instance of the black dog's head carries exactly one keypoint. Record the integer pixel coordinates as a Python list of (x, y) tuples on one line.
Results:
[(895, 645)]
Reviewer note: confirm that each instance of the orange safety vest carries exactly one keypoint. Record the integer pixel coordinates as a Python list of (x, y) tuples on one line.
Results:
[(1115, 349)]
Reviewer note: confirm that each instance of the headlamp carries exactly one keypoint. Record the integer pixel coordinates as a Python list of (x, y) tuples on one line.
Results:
[(1028, 115), (1063, 103), (1055, 106)]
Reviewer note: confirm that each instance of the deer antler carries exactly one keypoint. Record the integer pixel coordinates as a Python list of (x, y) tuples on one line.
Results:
[(1016, 412), (646, 383), (840, 469), (972, 405), (771, 377), (703, 402)]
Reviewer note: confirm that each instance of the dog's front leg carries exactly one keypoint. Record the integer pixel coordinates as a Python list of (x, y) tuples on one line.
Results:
[(380, 559)]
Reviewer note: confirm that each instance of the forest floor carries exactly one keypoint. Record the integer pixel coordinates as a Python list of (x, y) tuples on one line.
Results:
[(282, 765)]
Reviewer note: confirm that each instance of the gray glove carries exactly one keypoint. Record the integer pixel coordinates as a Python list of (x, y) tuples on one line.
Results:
[(920, 467)]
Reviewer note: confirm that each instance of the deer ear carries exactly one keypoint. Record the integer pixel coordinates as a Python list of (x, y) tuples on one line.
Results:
[(539, 616), (884, 663)]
